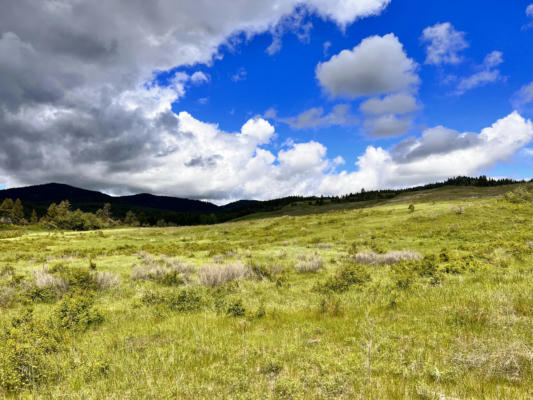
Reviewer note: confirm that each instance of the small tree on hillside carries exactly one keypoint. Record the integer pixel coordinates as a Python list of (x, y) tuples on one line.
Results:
[(105, 212), (7, 205), (131, 219), (34, 218), (52, 211), (17, 212)]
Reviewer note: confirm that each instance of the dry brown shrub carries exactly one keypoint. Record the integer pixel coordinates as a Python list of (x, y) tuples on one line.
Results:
[(309, 264), (218, 275), (391, 257), (106, 280), (496, 360), (45, 280)]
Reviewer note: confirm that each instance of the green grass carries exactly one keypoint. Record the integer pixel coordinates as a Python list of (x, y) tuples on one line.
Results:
[(457, 324)]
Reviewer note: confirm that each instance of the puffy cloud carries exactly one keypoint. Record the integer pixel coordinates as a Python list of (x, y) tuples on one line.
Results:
[(78, 102), (438, 154), (386, 116), (259, 129), (377, 65), (487, 73), (302, 158), (529, 10), (400, 103), (196, 159), (315, 118), (346, 11), (387, 125), (438, 140), (443, 44)]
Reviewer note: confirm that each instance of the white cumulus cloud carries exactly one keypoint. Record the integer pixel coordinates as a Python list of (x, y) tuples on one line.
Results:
[(444, 43), (377, 65)]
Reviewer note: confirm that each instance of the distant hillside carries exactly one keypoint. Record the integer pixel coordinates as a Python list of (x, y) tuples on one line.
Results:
[(151, 209), (41, 196)]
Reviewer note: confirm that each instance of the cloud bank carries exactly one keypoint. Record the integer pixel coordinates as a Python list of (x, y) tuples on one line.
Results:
[(78, 104)]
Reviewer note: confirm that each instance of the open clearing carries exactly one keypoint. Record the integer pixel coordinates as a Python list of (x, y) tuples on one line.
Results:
[(370, 303)]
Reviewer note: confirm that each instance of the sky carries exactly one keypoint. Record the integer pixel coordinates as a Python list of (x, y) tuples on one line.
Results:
[(250, 99)]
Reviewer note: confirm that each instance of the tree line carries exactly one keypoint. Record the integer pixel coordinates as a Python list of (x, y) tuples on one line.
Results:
[(61, 216)]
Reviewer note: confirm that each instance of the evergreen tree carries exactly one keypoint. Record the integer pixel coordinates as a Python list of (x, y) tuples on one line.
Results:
[(131, 219), (17, 212), (7, 205), (104, 213), (63, 208), (34, 219), (52, 212)]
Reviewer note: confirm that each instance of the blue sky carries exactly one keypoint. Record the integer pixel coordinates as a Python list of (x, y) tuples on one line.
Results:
[(221, 101), (286, 81)]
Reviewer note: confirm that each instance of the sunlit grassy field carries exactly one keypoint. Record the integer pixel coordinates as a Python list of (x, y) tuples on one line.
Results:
[(314, 306)]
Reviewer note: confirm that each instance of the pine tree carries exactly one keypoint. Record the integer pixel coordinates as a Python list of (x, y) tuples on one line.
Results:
[(17, 212), (34, 219), (105, 212), (52, 211), (7, 205), (131, 219)]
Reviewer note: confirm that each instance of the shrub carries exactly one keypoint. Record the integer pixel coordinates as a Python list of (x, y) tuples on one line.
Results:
[(345, 277), (500, 258), (261, 271), (214, 275), (286, 389), (310, 264), (183, 300), (166, 272), (76, 312), (391, 257), (271, 366), (41, 294), (45, 280), (24, 345), (512, 361), (331, 305), (106, 280), (236, 309), (519, 195), (7, 296), (80, 278)]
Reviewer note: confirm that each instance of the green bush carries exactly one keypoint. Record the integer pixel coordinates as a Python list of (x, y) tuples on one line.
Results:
[(519, 195), (24, 346), (236, 309), (172, 278), (345, 277), (80, 279), (41, 294), (77, 312), (183, 300)]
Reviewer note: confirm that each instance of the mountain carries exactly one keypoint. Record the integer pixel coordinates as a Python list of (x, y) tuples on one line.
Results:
[(151, 209), (41, 196)]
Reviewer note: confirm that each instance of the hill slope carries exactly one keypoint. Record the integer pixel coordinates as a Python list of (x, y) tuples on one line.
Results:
[(279, 308), (88, 200)]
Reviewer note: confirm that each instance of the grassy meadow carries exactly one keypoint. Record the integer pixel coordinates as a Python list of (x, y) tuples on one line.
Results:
[(340, 302)]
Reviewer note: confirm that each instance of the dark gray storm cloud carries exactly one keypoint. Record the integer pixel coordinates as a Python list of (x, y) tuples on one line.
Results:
[(434, 141), (75, 98)]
